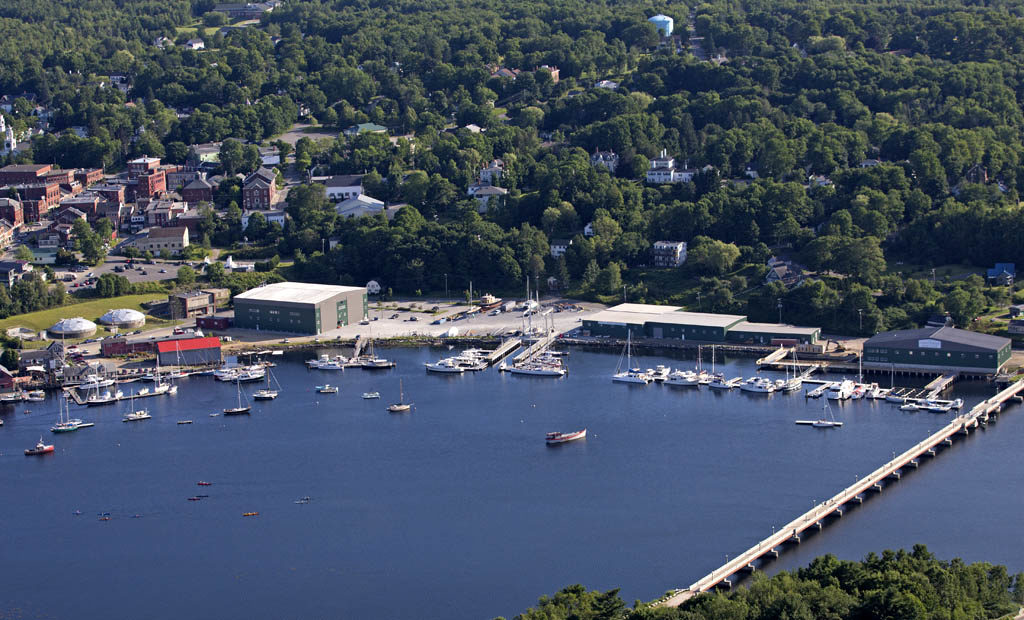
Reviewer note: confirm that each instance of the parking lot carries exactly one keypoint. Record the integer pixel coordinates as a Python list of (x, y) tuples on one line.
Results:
[(137, 271)]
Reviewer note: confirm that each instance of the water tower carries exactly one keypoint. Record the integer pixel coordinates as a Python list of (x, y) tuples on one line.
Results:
[(663, 23)]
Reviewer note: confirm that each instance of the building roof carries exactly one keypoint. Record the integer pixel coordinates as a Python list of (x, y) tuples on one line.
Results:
[(296, 292), (341, 180), (199, 184), (167, 232), (638, 314), (73, 325), (773, 328), (25, 168), (122, 315), (949, 338), (188, 344), (144, 160)]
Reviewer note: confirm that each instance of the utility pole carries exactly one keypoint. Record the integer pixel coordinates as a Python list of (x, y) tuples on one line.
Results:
[(446, 299), (780, 309), (623, 293), (700, 308), (860, 319)]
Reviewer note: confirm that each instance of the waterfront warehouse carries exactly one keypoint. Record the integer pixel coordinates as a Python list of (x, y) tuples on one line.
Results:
[(674, 323), (300, 308), (937, 349), (189, 351)]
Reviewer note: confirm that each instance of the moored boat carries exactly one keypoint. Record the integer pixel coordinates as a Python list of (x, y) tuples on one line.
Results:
[(371, 395), (240, 409), (326, 388), (401, 406), (557, 437), (447, 365)]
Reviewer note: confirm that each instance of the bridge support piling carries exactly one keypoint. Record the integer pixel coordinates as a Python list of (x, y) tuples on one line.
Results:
[(877, 486)]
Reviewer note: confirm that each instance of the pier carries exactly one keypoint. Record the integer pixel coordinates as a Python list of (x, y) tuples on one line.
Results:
[(940, 383), (506, 347), (853, 494), (76, 396), (535, 348), (774, 357)]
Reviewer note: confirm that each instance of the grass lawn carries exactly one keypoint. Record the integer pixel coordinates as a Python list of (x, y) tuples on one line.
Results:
[(953, 272), (92, 310)]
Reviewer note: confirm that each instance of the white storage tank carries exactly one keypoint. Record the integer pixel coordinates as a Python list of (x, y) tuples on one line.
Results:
[(663, 23), (124, 318), (77, 327)]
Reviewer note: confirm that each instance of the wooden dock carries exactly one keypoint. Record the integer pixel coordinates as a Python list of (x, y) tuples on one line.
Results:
[(506, 347), (775, 356), (940, 383), (534, 348), (855, 493)]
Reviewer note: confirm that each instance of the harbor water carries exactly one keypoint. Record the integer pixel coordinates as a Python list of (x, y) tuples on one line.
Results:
[(459, 509)]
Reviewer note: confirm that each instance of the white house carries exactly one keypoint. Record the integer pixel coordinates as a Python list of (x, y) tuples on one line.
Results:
[(607, 85), (492, 173), (559, 246), (271, 217), (341, 187), (663, 170), (668, 253), (484, 194), (359, 206), (608, 160), (195, 44), (588, 230)]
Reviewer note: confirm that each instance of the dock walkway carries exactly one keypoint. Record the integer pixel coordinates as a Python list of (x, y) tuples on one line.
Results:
[(506, 347), (535, 348), (835, 506)]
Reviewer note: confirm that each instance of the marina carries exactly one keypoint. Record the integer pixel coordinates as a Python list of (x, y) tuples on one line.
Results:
[(449, 450)]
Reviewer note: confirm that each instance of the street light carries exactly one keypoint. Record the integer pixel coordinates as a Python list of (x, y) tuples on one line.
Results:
[(860, 318)]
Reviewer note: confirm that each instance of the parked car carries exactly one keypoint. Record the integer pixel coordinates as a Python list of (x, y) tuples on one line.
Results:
[(163, 271), (414, 318), (393, 316)]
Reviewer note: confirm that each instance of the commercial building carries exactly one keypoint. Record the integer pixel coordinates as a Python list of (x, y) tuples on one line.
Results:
[(173, 239), (674, 323), (939, 348), (190, 305), (300, 307), (189, 351)]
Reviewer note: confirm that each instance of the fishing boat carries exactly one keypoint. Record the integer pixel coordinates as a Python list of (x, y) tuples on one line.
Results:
[(267, 393), (239, 409), (401, 406), (557, 437), (65, 423), (135, 416), (41, 448), (370, 395), (327, 388), (630, 374)]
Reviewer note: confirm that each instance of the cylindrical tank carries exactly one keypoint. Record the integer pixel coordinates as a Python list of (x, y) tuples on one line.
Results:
[(124, 318), (72, 328), (663, 23)]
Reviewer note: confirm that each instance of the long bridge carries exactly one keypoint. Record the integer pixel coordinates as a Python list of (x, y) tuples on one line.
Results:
[(855, 493)]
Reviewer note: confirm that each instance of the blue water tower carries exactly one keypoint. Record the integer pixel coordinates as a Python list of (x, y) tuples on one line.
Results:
[(663, 23)]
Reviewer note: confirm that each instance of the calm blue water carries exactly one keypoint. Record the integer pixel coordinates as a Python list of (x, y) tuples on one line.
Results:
[(459, 510)]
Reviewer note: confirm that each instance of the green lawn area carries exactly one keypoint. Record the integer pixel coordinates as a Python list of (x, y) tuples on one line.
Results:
[(953, 272), (91, 310)]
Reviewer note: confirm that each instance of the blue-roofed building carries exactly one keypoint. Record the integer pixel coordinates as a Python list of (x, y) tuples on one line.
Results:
[(1002, 274)]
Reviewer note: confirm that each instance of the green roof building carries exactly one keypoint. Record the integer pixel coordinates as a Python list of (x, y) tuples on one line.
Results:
[(937, 349)]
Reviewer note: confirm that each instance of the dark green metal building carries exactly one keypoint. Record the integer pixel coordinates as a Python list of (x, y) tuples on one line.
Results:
[(301, 308), (674, 323), (937, 348)]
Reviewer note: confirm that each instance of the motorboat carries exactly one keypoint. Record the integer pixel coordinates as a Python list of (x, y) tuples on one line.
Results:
[(240, 409), (685, 378), (41, 448), (936, 407), (401, 406), (251, 373), (859, 391), (96, 399), (719, 382), (327, 388), (370, 395), (36, 396), (92, 382), (910, 407), (958, 403), (12, 397), (315, 363), (557, 437), (537, 369), (759, 385), (840, 390), (184, 421), (447, 365), (659, 373)]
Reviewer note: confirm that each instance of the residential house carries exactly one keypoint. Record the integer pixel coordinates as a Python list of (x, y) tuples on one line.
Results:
[(504, 72), (609, 160), (163, 42), (11, 210), (259, 190), (977, 174), (607, 85), (270, 155), (208, 152), (588, 230), (272, 217), (7, 231), (553, 71), (13, 270), (787, 274), (1016, 311), (491, 173), (195, 44), (869, 163), (341, 187), (359, 206), (67, 215), (1016, 326), (486, 195), (559, 247), (663, 170), (173, 239), (668, 254), (1002, 274)]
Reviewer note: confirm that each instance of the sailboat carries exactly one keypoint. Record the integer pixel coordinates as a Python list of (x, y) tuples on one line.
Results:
[(135, 416), (267, 393), (401, 406), (177, 373), (827, 420), (239, 409), (630, 374), (65, 423)]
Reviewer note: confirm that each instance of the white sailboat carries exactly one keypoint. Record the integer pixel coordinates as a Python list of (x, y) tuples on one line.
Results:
[(630, 374), (65, 423), (135, 416), (826, 422), (267, 393), (401, 406)]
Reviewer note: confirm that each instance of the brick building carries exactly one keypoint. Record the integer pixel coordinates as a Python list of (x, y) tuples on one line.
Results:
[(259, 190), (30, 173), (11, 210)]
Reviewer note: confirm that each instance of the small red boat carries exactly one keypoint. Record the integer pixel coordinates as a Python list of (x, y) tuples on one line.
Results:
[(203, 483), (41, 448), (553, 438)]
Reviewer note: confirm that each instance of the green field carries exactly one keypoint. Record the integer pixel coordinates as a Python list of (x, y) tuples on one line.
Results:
[(91, 310)]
